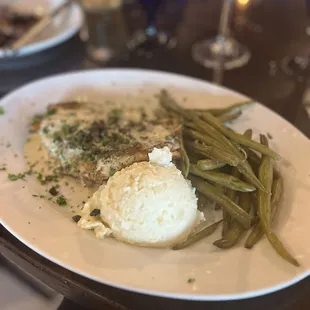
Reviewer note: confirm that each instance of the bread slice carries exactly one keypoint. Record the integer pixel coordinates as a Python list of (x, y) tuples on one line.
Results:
[(94, 140)]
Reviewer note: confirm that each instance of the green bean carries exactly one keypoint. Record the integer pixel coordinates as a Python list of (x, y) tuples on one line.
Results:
[(222, 189), (225, 118), (167, 102), (257, 232), (231, 207), (184, 158), (203, 202), (197, 236), (213, 152), (246, 169), (248, 133), (194, 157), (206, 128), (243, 166), (253, 157), (280, 248), (265, 175), (224, 179), (208, 140), (264, 209), (240, 139), (235, 230), (235, 107), (231, 194), (209, 164)]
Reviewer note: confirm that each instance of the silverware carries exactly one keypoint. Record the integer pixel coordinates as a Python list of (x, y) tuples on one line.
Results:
[(36, 29)]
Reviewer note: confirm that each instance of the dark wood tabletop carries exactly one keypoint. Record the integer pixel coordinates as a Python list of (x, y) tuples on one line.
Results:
[(271, 29)]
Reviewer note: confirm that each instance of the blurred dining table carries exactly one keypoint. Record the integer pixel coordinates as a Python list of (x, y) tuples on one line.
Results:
[(271, 29)]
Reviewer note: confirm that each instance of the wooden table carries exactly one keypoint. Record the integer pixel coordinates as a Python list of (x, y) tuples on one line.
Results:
[(272, 30)]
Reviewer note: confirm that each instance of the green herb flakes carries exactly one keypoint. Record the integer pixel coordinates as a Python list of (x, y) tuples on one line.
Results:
[(112, 171), (15, 177), (61, 200), (2, 110), (51, 112)]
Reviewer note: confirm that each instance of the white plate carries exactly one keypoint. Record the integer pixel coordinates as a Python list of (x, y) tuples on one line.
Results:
[(220, 275), (65, 25)]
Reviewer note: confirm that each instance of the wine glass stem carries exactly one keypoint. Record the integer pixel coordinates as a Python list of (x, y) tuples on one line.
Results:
[(224, 20), (151, 29)]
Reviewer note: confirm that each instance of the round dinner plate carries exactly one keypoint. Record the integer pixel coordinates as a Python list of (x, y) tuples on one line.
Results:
[(65, 24), (215, 274)]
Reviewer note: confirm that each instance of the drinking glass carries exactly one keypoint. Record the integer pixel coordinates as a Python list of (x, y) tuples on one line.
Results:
[(150, 37), (223, 50), (106, 30)]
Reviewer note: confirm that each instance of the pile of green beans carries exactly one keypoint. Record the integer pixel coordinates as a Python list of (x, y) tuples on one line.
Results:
[(234, 171)]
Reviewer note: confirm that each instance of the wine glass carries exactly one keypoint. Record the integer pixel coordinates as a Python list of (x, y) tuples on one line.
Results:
[(150, 37), (223, 50), (299, 65)]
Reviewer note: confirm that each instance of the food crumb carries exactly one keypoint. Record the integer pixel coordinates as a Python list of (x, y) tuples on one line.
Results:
[(269, 136), (76, 218), (191, 280), (53, 191)]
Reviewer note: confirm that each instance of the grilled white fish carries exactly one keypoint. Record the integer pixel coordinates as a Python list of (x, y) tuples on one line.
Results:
[(93, 140)]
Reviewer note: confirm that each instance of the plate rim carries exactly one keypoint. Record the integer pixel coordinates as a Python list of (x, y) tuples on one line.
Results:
[(173, 295)]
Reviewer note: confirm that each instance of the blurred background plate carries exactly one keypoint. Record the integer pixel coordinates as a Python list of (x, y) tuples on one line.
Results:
[(65, 25)]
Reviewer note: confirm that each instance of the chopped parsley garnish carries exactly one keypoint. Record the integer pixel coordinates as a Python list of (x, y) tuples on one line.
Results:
[(46, 179), (116, 112), (15, 177), (51, 112), (45, 130), (95, 212), (105, 140), (169, 138), (112, 171), (1, 110), (61, 200), (36, 120)]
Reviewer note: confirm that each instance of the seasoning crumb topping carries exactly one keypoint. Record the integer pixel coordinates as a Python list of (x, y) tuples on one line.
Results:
[(53, 191), (76, 218), (191, 280), (95, 212)]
